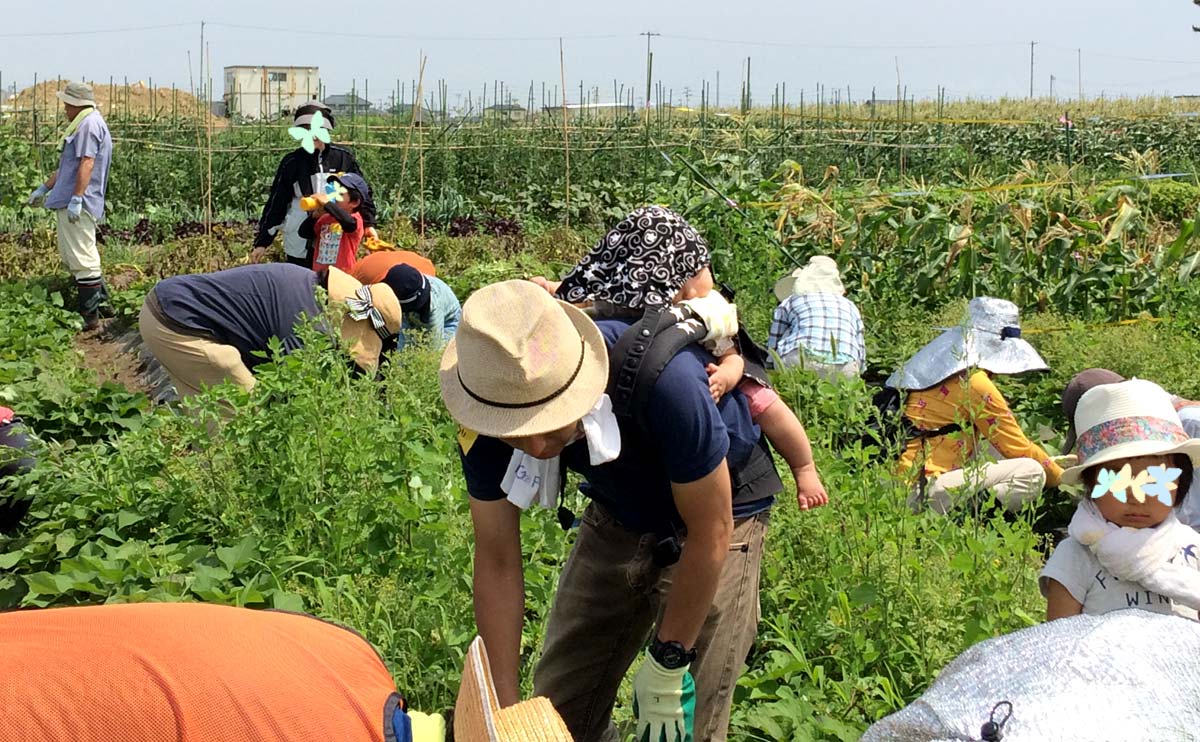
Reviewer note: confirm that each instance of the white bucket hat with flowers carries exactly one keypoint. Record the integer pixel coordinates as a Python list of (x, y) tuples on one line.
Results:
[(989, 339), (1126, 420)]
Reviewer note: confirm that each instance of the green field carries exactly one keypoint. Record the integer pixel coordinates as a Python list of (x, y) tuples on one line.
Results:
[(344, 498)]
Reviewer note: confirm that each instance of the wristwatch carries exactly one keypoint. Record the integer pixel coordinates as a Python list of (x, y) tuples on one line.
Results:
[(671, 655)]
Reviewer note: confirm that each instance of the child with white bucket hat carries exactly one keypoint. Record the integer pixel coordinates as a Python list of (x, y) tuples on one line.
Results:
[(1126, 548)]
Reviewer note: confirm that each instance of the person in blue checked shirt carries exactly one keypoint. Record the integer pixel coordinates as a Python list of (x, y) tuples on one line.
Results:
[(815, 326), (525, 378), (76, 194)]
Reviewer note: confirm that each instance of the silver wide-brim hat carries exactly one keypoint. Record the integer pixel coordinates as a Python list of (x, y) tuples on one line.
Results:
[(989, 339)]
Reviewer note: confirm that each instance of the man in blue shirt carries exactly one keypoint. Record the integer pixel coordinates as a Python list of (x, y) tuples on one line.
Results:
[(669, 549), (76, 193)]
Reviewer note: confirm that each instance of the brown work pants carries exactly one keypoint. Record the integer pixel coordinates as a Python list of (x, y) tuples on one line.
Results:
[(610, 598)]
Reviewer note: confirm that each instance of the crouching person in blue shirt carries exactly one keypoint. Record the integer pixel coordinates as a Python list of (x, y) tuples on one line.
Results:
[(665, 570)]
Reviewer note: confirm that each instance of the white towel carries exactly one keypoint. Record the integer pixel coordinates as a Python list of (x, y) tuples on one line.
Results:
[(1138, 555), (529, 479), (720, 319)]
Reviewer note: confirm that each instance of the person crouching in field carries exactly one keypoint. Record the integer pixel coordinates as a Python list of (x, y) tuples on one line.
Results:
[(373, 267), (194, 672), (943, 390), (429, 305), (1125, 547), (815, 326), (335, 228), (209, 328), (15, 460), (75, 191), (656, 242)]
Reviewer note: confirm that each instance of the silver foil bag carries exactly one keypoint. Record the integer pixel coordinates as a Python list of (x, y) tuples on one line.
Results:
[(1128, 675)]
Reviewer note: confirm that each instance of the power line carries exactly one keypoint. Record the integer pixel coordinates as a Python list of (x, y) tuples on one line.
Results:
[(859, 47), (404, 37), (90, 32), (1111, 55)]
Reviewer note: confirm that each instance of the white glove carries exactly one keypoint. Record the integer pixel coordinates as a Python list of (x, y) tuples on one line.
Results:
[(39, 194), (74, 209), (664, 702)]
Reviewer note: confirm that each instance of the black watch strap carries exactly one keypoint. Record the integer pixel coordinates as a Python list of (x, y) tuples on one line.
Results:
[(671, 655)]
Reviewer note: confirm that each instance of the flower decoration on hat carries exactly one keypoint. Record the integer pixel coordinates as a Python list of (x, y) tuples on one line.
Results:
[(307, 136), (1156, 481)]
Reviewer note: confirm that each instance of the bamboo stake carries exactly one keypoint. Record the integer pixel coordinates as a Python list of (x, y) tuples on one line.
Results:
[(562, 71), (415, 113)]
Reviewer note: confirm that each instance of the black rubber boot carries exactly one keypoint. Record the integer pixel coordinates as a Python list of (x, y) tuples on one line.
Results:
[(106, 307), (91, 295)]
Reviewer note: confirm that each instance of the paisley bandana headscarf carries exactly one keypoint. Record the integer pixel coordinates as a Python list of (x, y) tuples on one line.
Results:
[(641, 262)]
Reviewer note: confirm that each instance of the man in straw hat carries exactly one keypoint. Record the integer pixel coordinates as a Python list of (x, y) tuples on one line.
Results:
[(75, 191), (302, 173), (669, 548), (815, 326), (1189, 417), (942, 390), (214, 327)]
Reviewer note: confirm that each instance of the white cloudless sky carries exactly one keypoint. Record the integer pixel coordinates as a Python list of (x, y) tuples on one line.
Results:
[(978, 49)]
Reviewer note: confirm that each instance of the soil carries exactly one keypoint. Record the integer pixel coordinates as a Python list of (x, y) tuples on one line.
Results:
[(136, 99), (103, 352)]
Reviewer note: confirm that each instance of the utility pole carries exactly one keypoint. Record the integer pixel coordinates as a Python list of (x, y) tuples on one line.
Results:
[(1052, 87), (649, 63), (1031, 45)]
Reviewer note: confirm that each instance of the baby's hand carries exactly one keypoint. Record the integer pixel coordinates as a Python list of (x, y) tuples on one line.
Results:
[(719, 381), (550, 286), (810, 493)]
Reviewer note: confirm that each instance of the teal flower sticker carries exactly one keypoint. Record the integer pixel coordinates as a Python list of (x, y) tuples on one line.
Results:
[(307, 135), (1162, 483)]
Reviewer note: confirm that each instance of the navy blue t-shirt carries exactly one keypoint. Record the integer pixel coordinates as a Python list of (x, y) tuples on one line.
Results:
[(244, 307), (685, 438)]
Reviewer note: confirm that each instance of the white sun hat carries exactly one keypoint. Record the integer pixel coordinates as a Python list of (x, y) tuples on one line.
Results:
[(1126, 420), (989, 339), (819, 276)]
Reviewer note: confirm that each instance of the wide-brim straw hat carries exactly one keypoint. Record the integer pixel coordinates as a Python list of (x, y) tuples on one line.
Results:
[(1126, 420), (479, 718), (77, 94), (989, 339), (819, 276), (522, 363), (362, 339)]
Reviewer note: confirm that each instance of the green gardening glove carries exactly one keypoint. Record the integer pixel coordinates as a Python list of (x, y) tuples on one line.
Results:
[(664, 702)]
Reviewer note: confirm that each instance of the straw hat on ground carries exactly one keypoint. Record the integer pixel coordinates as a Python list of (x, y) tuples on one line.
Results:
[(989, 339), (373, 315), (522, 363), (77, 94), (479, 718), (1125, 420), (820, 276)]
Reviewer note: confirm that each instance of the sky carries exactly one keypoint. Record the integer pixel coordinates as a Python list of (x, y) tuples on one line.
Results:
[(972, 49)]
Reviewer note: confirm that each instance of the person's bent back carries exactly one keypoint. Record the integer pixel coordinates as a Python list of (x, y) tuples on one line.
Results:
[(188, 671)]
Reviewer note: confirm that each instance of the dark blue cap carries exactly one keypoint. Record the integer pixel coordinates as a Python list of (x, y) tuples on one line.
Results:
[(354, 182)]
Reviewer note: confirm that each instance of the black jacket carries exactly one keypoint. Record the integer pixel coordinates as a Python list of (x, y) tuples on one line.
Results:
[(296, 169)]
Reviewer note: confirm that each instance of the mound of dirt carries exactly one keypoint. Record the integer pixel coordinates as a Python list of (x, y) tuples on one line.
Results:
[(133, 100)]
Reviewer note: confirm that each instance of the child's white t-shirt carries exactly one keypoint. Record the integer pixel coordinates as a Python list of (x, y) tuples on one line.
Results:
[(1074, 566)]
